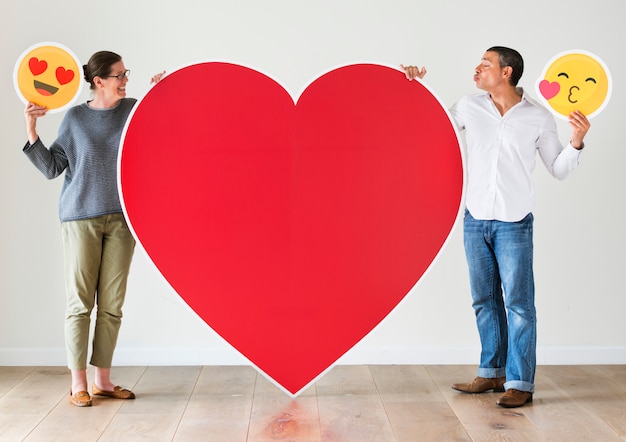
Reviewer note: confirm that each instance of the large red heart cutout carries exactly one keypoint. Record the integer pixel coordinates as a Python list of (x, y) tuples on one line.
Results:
[(292, 230)]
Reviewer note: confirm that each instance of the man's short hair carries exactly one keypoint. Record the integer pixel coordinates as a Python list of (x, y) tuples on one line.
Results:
[(510, 57)]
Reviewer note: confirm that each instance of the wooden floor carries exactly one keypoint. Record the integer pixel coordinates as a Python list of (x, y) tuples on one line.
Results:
[(349, 403)]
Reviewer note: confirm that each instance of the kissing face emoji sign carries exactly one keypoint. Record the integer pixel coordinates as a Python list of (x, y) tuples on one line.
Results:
[(575, 80), (48, 74)]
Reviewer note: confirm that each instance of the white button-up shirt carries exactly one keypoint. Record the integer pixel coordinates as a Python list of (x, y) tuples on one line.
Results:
[(501, 152)]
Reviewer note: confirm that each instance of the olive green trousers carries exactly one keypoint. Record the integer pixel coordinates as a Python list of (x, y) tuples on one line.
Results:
[(98, 252)]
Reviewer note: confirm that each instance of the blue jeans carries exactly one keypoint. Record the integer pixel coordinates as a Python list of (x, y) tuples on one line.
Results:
[(500, 260)]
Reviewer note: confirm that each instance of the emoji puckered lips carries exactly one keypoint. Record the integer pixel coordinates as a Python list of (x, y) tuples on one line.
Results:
[(45, 89)]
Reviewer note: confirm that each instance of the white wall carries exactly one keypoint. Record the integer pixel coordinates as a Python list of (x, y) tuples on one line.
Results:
[(580, 237)]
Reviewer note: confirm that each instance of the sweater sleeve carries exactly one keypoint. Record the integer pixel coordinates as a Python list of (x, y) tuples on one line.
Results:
[(50, 162)]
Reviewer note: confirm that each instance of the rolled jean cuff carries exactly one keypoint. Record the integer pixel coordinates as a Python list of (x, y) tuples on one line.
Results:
[(490, 373), (520, 385)]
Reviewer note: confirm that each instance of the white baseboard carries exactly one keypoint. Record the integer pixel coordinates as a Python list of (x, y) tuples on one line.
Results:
[(357, 356)]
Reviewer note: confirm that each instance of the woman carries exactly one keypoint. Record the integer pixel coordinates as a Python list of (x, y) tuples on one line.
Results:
[(98, 246)]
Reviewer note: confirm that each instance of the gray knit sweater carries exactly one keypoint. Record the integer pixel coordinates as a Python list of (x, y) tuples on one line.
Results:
[(86, 149)]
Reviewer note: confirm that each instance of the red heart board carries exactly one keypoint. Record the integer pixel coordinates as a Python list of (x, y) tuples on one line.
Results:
[(291, 226)]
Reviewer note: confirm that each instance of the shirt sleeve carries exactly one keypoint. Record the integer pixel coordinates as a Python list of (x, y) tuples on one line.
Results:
[(456, 112), (558, 160)]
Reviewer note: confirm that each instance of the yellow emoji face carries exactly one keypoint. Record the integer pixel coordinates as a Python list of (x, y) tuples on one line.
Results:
[(48, 74), (575, 80)]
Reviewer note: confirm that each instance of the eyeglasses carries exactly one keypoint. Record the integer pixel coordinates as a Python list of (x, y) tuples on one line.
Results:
[(121, 76)]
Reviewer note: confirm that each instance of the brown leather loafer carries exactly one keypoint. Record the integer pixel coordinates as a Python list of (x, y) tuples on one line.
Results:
[(80, 399), (117, 393), (514, 398), (480, 385)]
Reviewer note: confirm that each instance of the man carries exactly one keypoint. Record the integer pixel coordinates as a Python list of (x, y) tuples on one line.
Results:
[(504, 130)]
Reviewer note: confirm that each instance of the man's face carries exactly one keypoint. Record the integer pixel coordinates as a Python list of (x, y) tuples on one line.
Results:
[(488, 74)]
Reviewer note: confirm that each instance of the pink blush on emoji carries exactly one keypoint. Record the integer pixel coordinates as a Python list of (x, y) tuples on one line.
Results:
[(549, 90)]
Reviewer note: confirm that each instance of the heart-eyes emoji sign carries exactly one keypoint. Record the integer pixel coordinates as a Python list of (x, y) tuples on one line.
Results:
[(48, 74), (292, 225)]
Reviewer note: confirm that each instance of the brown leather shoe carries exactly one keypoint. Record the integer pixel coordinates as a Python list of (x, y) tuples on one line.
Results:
[(514, 398), (117, 393), (480, 385), (80, 399)]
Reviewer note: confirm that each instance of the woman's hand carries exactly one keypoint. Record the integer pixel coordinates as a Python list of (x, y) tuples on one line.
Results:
[(31, 113), (156, 78)]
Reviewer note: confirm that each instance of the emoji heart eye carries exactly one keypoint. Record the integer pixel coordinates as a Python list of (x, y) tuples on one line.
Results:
[(37, 67), (64, 76)]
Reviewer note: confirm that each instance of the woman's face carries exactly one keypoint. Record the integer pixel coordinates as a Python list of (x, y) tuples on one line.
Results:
[(112, 87)]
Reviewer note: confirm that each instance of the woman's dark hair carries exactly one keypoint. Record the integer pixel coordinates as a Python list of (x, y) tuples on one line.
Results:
[(99, 65), (510, 57)]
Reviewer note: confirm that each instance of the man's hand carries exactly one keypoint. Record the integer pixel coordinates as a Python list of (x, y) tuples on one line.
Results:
[(580, 125), (413, 72)]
